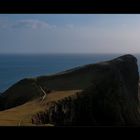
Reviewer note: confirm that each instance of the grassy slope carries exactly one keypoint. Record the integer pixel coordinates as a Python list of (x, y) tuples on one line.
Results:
[(61, 84), (28, 89), (21, 115), (73, 79)]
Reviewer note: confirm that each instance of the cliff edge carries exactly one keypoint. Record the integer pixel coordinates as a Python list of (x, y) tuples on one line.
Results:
[(110, 100)]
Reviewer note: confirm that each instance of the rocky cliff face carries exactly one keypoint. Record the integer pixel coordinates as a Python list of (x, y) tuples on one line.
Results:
[(111, 99)]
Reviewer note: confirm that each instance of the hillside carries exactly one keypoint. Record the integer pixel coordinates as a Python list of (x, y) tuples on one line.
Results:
[(22, 115), (104, 93), (111, 100), (29, 89)]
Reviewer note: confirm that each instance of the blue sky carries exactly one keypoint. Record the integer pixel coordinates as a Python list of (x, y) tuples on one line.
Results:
[(69, 33)]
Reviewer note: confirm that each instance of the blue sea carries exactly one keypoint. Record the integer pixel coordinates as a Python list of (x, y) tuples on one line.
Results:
[(16, 67)]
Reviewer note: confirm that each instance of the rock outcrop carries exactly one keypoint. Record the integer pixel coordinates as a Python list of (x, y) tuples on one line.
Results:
[(110, 100)]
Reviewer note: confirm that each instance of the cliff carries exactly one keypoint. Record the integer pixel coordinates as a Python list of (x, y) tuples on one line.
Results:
[(101, 94), (110, 100)]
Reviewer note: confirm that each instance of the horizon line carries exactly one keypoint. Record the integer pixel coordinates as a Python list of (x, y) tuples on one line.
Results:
[(67, 53)]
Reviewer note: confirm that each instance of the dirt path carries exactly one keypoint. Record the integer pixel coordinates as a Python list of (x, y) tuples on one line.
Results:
[(43, 97), (45, 94), (19, 123)]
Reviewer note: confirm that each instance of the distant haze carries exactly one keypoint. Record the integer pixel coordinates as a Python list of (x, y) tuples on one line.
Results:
[(69, 33)]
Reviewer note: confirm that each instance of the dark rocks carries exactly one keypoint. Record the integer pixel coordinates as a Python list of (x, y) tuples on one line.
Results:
[(111, 100)]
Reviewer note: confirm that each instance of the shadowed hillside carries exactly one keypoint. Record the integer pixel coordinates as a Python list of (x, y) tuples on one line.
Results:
[(99, 94), (28, 89), (112, 99)]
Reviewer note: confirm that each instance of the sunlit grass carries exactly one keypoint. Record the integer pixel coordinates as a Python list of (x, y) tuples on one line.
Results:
[(22, 114)]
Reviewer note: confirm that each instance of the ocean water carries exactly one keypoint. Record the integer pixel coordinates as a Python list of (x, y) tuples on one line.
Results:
[(16, 67)]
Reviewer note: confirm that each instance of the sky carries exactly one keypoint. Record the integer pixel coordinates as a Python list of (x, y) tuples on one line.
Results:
[(69, 33)]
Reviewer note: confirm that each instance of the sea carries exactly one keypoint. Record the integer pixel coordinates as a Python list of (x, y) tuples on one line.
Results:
[(14, 67)]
